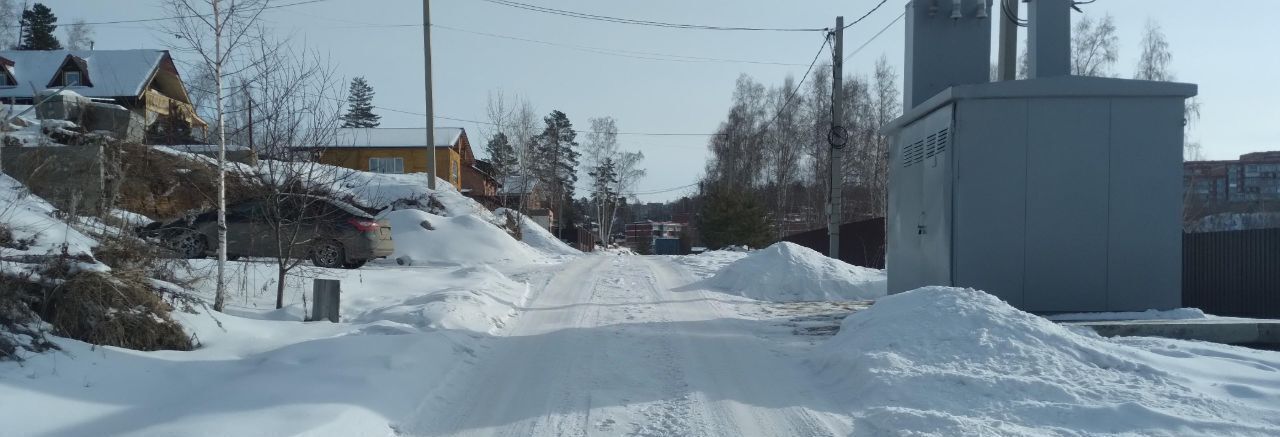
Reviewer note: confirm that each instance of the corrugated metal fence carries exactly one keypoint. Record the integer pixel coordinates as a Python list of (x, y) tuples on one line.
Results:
[(1232, 273), (861, 243)]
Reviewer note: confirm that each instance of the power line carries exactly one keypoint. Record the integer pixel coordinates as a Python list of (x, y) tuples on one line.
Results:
[(877, 35), (147, 20), (868, 14), (795, 91), (653, 56), (609, 19), (666, 190)]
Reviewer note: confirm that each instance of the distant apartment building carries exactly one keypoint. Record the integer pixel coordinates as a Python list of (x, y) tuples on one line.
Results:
[(1255, 177), (642, 234)]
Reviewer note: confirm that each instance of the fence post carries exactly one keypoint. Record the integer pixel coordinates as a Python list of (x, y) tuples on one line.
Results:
[(325, 295)]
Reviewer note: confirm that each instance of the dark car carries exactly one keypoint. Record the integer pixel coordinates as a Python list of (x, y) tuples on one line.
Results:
[(331, 233)]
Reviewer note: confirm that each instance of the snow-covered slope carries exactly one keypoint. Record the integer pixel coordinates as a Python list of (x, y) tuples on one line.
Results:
[(947, 361), (31, 220), (539, 237), (787, 272), (422, 237)]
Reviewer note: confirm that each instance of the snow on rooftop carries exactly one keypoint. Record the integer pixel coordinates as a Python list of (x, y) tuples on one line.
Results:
[(112, 73), (394, 137)]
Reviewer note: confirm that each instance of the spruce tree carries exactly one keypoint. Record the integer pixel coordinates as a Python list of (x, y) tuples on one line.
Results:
[(733, 218), (38, 24), (360, 105), (502, 156)]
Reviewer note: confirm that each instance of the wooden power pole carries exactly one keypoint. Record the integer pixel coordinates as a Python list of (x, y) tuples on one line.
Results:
[(431, 125)]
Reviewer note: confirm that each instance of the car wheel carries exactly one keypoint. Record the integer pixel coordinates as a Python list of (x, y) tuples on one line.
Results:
[(190, 245), (355, 264), (328, 254)]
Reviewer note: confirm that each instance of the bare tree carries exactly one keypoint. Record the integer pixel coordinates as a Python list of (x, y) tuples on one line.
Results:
[(1156, 63), (1095, 48), (79, 36), (216, 32), (9, 16), (299, 96)]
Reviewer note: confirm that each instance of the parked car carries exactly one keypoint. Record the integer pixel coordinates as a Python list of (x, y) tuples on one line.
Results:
[(329, 232)]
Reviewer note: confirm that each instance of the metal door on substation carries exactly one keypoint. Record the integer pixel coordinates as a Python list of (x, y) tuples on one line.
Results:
[(936, 191)]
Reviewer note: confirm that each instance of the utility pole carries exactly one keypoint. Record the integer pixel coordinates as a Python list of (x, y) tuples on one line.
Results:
[(1008, 62), (431, 125), (248, 96), (838, 138)]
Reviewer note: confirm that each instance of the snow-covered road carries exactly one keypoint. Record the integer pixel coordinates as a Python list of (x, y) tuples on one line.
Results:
[(612, 345)]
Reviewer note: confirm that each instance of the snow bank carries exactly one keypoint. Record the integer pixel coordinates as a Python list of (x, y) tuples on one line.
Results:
[(787, 272), (476, 299), (31, 220), (946, 361), (461, 240), (539, 237), (706, 264)]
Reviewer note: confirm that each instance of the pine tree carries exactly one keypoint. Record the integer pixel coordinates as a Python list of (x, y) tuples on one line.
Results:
[(502, 156), (360, 105), (38, 24), (556, 162)]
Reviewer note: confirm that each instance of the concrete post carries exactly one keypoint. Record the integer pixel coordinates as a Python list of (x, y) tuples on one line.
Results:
[(326, 300), (1049, 38)]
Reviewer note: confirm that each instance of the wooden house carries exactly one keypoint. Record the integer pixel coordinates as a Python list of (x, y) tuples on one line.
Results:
[(403, 150), (144, 81)]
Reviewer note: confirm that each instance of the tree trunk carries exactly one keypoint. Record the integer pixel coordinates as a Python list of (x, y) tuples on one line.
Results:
[(220, 296), (280, 277)]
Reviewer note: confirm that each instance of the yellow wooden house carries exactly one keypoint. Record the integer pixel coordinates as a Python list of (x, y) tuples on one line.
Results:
[(400, 150)]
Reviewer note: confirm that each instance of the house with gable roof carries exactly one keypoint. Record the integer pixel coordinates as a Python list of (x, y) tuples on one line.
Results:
[(143, 81)]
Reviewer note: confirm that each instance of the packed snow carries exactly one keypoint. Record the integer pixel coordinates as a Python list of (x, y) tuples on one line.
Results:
[(788, 272), (706, 264), (1174, 314), (947, 361)]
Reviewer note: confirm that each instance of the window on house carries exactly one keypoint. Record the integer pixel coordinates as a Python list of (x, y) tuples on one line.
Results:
[(6, 80), (453, 171), (386, 165), (71, 78)]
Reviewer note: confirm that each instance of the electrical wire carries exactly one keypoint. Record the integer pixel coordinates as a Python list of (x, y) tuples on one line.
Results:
[(795, 91), (873, 37), (666, 190), (868, 14), (653, 56), (146, 20), (1008, 14), (605, 18)]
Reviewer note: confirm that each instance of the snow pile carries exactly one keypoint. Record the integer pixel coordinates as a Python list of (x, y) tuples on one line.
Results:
[(34, 228), (421, 237), (537, 236), (787, 272), (476, 299), (946, 361), (706, 264)]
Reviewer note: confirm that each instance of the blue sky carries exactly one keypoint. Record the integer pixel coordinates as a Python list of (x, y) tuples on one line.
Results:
[(1228, 51)]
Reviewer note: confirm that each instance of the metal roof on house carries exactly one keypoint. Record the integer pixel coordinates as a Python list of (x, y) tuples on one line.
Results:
[(518, 185), (112, 73), (394, 137)]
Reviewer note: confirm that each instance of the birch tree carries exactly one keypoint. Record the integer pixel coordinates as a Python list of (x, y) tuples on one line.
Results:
[(1095, 47), (216, 32), (1156, 63)]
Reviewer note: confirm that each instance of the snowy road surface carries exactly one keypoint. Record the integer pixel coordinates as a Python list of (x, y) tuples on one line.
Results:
[(612, 345)]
